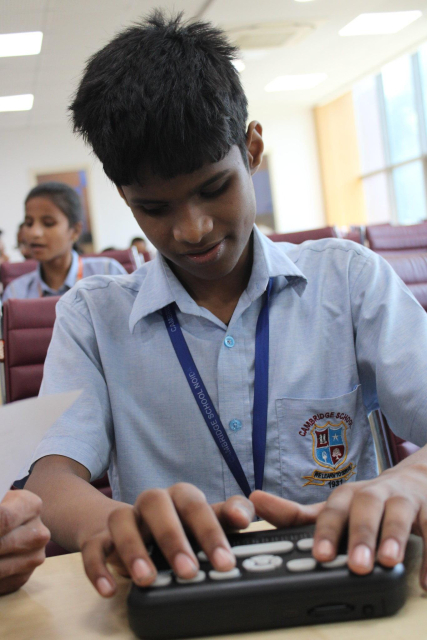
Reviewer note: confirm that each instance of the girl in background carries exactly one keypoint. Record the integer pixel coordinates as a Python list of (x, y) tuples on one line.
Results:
[(53, 224)]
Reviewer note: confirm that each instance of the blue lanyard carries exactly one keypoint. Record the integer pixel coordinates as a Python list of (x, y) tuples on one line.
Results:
[(205, 404)]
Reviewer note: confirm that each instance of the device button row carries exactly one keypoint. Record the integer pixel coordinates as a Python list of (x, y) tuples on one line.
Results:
[(163, 579), (305, 544), (262, 563), (224, 575), (199, 577), (339, 561), (301, 564), (247, 550)]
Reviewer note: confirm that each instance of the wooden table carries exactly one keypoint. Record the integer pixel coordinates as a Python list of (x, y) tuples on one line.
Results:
[(59, 603)]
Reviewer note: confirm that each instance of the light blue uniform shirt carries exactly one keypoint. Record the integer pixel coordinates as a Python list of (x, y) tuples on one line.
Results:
[(346, 336), (30, 284)]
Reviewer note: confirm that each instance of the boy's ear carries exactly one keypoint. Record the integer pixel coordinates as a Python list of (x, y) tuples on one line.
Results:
[(121, 193), (255, 145)]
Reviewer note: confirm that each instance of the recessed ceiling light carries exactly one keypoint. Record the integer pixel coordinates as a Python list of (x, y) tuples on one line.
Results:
[(20, 44), (295, 83), (17, 103), (239, 65), (373, 24)]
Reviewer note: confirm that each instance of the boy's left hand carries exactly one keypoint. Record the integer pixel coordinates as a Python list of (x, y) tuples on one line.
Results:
[(395, 501)]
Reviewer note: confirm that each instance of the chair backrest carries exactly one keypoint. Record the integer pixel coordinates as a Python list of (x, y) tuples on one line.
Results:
[(390, 448), (300, 236), (384, 237), (124, 256), (412, 268), (27, 331), (11, 270)]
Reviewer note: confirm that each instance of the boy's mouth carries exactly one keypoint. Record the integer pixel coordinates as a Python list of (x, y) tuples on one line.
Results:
[(207, 255)]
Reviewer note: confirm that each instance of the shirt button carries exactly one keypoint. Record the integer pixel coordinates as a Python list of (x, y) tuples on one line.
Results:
[(229, 342), (235, 425)]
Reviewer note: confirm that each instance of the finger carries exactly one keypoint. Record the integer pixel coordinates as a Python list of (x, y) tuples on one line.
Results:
[(28, 537), (130, 547), (236, 513), (284, 513), (13, 583), (156, 508), (399, 516), (22, 563), (422, 524), (199, 517), (330, 524), (365, 517), (94, 554), (16, 508)]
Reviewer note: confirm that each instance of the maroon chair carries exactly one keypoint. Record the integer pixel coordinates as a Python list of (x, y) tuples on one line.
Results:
[(126, 257), (386, 239), (412, 268), (300, 236), (11, 270), (27, 331)]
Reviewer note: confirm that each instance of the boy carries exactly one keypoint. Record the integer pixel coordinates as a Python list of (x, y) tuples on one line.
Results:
[(291, 345)]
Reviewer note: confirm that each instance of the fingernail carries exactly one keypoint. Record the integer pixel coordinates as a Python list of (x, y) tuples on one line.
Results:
[(244, 512), (325, 549), (390, 548), (184, 566), (361, 556), (104, 587), (141, 570), (223, 560)]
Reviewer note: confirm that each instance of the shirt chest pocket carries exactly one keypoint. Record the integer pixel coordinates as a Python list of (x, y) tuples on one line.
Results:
[(324, 443)]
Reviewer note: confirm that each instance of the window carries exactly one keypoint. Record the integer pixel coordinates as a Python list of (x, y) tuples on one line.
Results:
[(390, 111)]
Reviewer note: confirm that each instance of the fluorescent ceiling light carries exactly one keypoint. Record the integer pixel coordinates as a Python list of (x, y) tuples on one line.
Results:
[(372, 24), (20, 44), (295, 83), (303, 0), (17, 103), (239, 65)]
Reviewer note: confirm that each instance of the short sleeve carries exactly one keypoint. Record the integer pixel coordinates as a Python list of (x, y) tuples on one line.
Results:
[(115, 268), (85, 432), (391, 347)]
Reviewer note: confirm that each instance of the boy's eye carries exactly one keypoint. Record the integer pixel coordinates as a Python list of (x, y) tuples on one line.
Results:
[(153, 210), (216, 192)]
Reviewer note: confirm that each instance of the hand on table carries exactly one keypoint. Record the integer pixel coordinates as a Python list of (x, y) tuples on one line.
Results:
[(23, 538), (396, 501), (162, 514)]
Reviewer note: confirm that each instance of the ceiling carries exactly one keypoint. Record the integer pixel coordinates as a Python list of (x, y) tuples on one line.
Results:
[(74, 29)]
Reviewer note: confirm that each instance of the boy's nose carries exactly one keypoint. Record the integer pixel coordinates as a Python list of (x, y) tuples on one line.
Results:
[(192, 226)]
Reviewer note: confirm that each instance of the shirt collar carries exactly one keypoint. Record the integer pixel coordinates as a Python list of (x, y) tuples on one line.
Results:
[(69, 281), (160, 286)]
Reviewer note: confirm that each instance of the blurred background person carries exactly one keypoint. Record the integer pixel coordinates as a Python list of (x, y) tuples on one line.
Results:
[(22, 244), (52, 226)]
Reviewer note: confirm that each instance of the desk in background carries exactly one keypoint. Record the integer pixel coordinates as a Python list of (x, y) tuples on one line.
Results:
[(59, 603)]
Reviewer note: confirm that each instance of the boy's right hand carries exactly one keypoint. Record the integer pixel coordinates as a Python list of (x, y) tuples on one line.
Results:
[(163, 514)]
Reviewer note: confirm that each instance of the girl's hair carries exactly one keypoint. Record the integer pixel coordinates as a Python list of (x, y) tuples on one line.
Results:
[(63, 196)]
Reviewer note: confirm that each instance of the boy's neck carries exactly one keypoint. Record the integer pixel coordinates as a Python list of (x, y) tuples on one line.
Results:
[(220, 297), (55, 271)]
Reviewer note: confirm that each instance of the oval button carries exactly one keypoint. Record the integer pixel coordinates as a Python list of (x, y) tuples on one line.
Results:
[(235, 425), (229, 342)]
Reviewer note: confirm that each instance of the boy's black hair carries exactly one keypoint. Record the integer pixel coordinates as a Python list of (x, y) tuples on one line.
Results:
[(63, 196), (163, 92)]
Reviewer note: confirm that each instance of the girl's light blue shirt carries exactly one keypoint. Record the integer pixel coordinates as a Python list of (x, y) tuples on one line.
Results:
[(30, 284)]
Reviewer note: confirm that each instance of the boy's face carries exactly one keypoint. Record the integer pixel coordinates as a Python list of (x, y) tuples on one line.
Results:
[(201, 221)]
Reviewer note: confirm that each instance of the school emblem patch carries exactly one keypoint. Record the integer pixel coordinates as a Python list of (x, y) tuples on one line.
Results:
[(330, 450)]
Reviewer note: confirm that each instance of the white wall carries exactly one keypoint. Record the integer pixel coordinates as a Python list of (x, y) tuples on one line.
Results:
[(290, 144)]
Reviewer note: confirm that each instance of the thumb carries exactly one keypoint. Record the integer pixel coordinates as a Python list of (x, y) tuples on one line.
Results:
[(284, 513)]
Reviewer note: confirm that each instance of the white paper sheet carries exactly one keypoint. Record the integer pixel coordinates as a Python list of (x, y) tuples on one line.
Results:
[(22, 427)]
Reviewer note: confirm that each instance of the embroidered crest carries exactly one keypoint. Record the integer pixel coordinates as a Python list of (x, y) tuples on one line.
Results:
[(330, 450)]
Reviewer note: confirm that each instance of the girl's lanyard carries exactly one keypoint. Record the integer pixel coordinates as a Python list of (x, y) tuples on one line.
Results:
[(79, 276), (209, 413)]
